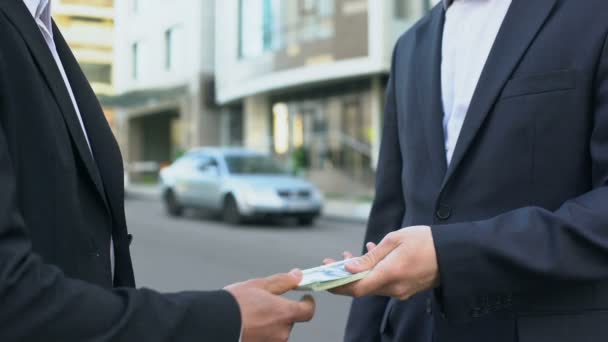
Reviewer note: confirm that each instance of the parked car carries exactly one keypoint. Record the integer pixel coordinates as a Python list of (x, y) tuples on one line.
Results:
[(239, 184)]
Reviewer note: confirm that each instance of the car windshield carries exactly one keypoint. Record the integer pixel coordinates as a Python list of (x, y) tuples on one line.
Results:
[(253, 165)]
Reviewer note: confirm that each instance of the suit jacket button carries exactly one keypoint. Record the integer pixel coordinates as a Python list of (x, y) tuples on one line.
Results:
[(429, 306), (443, 212)]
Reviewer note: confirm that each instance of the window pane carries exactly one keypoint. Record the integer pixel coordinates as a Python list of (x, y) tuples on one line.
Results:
[(272, 25), (168, 49), (252, 27), (135, 60), (97, 73), (174, 46)]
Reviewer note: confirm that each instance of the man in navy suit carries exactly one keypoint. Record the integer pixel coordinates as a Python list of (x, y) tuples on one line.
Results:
[(495, 160)]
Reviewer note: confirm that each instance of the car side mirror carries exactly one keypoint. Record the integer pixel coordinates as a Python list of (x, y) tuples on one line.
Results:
[(210, 168)]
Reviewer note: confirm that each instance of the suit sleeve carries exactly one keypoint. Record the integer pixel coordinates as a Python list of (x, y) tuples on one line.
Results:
[(386, 216), (39, 303), (531, 248)]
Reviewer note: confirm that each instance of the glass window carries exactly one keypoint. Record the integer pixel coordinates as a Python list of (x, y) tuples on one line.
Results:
[(135, 60), (201, 160), (169, 49), (254, 164), (194, 160), (173, 46), (251, 35), (320, 8), (326, 8), (280, 114), (97, 73), (271, 25), (315, 21), (330, 133)]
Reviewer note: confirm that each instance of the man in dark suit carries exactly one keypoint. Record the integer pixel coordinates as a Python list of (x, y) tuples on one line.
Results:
[(495, 159), (62, 217)]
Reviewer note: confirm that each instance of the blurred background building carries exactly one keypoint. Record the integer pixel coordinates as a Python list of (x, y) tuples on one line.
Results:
[(300, 79), (310, 75), (164, 71)]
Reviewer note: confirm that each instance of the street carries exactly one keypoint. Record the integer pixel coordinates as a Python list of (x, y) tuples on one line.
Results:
[(197, 252)]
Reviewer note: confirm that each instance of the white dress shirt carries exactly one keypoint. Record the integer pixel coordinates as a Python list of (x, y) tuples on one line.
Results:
[(41, 12), (469, 32)]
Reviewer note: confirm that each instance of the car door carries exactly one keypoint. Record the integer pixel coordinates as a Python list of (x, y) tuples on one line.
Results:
[(210, 183), (205, 182), (185, 180)]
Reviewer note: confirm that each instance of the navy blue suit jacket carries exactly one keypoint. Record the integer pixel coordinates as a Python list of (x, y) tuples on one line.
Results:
[(520, 216)]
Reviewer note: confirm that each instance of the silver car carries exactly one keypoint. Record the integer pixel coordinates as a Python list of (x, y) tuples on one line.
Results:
[(239, 184)]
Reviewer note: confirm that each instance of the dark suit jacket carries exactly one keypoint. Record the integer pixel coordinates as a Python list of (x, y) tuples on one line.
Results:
[(59, 205), (520, 217)]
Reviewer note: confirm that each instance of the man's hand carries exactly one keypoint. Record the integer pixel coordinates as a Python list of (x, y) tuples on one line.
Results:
[(267, 317), (403, 264)]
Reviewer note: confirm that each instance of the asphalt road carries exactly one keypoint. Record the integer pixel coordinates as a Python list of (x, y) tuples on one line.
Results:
[(200, 253)]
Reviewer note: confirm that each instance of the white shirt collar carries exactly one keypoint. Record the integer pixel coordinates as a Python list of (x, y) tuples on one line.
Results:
[(41, 11)]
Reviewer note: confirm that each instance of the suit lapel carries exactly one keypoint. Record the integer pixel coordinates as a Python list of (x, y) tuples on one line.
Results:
[(521, 25), (428, 73), (22, 20), (103, 144), (107, 154)]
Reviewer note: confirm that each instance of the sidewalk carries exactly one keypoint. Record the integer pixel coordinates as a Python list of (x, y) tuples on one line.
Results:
[(336, 209)]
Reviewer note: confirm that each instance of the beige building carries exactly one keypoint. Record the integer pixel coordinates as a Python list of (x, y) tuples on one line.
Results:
[(88, 27)]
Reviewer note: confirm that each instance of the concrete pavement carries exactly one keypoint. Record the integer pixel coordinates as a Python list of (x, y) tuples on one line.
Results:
[(199, 253)]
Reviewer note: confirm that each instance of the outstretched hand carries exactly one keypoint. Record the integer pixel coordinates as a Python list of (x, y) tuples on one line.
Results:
[(266, 316), (403, 264)]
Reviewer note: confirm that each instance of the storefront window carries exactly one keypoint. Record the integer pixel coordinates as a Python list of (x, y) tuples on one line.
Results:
[(272, 25), (334, 133), (281, 128)]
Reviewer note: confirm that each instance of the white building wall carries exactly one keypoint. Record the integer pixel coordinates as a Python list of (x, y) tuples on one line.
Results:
[(192, 66), (235, 76), (147, 26), (238, 78)]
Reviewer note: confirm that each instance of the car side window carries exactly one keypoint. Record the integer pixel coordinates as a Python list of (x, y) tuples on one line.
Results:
[(209, 164), (201, 161), (213, 162)]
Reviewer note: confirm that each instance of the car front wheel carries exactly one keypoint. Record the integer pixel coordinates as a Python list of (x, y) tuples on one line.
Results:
[(231, 213), (172, 204), (306, 220)]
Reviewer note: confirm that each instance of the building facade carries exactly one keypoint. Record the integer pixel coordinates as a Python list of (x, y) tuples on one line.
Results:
[(164, 75), (310, 76), (88, 27)]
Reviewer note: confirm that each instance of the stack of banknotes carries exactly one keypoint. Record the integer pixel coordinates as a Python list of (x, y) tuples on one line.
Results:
[(327, 277)]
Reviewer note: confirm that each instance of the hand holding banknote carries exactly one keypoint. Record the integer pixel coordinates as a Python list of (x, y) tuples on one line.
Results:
[(401, 265), (265, 315), (329, 276)]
